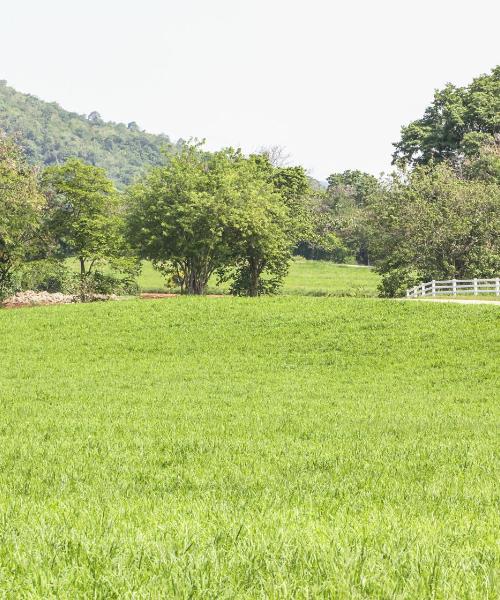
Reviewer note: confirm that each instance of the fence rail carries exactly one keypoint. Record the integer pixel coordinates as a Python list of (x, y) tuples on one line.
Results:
[(455, 287)]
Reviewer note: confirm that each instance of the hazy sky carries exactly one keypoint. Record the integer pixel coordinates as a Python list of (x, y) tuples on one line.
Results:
[(332, 81)]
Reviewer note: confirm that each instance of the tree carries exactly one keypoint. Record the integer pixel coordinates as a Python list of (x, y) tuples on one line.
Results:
[(180, 216), (265, 231), (21, 206), (431, 224), (458, 122), (84, 215), (205, 213), (347, 199)]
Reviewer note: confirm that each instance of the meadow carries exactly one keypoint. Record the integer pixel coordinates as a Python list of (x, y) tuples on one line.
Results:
[(306, 277), (288, 447)]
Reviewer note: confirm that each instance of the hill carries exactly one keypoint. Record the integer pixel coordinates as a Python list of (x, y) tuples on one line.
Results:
[(50, 135)]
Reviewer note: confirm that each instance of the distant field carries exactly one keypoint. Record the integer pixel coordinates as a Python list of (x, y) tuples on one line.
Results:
[(226, 448), (306, 277)]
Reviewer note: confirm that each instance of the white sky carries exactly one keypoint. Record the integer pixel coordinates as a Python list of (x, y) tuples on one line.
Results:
[(332, 81)]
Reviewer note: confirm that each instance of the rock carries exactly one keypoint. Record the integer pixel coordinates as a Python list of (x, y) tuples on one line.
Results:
[(31, 298)]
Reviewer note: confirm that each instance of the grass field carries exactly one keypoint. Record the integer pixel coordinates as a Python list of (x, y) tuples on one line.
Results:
[(306, 277), (227, 448)]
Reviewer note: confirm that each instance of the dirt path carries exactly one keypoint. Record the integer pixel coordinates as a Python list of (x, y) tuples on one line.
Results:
[(458, 301), (159, 296)]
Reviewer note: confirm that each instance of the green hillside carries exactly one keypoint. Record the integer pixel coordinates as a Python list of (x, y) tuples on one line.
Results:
[(50, 135)]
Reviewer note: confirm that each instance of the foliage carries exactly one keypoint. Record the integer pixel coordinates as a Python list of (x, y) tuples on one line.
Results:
[(221, 212), (220, 448), (341, 225), (21, 207), (85, 217), (51, 136), (271, 221), (431, 224), (46, 275), (458, 123), (485, 165), (180, 216)]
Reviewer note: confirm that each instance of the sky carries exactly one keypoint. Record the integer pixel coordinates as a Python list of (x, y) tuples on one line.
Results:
[(331, 81)]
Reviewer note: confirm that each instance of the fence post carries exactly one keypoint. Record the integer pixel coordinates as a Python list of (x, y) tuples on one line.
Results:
[(423, 289), (497, 286), (433, 284), (415, 291), (475, 286), (454, 284), (407, 293)]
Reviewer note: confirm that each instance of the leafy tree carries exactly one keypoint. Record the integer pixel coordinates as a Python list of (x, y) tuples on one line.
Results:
[(205, 213), (265, 231), (347, 198), (485, 164), (430, 224), (180, 216), (85, 217), (458, 123), (21, 206)]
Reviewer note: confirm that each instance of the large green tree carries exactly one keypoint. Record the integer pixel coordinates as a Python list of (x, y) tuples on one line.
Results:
[(214, 212), (84, 215), (431, 224), (456, 124), (21, 209), (266, 230), (180, 216)]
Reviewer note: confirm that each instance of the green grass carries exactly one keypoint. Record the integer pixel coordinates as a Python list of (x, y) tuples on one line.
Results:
[(227, 448), (306, 277)]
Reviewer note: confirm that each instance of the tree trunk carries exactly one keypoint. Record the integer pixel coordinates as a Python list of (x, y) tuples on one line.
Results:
[(253, 284), (194, 282), (82, 266)]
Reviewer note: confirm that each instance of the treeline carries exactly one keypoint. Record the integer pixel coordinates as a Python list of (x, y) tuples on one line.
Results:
[(241, 218)]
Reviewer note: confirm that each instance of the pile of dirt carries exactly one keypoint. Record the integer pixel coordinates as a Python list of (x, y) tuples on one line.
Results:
[(31, 298)]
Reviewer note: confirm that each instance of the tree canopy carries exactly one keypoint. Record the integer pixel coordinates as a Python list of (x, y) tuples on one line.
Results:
[(431, 224), (21, 206), (456, 124), (215, 212)]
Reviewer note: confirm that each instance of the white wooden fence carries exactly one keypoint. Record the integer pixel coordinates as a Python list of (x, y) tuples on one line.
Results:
[(455, 287)]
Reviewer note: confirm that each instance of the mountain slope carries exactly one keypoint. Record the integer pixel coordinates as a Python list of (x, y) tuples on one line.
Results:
[(50, 135)]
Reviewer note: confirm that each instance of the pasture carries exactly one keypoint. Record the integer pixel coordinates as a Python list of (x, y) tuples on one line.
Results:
[(288, 447), (306, 277)]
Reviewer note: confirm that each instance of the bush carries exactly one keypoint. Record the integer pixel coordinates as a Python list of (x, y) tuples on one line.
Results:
[(395, 282), (103, 283), (46, 276)]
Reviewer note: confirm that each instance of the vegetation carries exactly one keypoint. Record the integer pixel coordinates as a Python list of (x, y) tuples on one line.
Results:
[(51, 135), (290, 447), (84, 218), (21, 207), (293, 447), (305, 278), (435, 225), (197, 215), (458, 123), (221, 212)]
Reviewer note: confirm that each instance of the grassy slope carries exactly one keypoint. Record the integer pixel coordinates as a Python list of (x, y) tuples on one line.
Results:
[(222, 448), (316, 278)]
